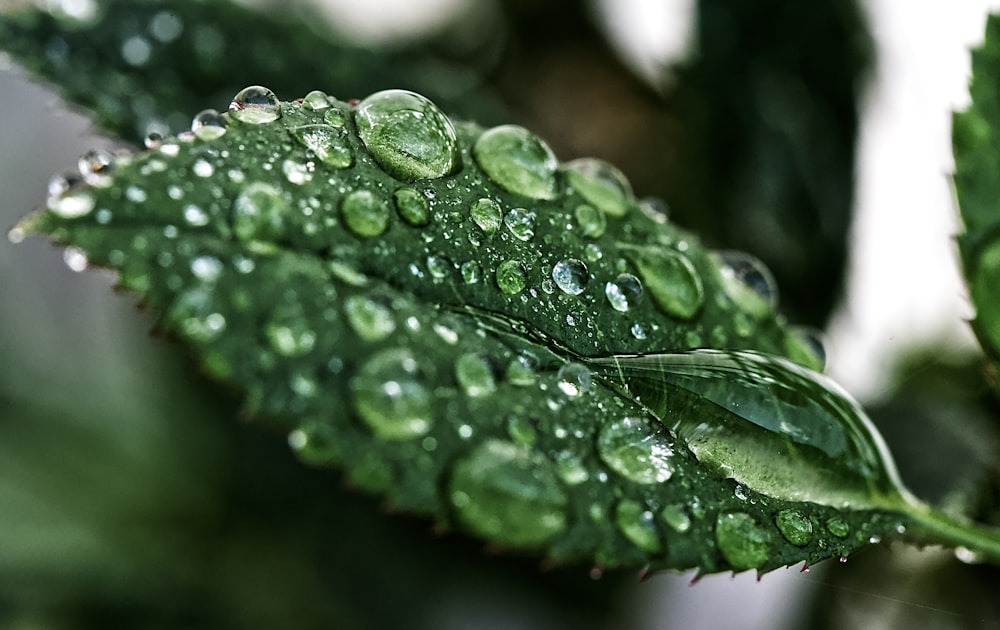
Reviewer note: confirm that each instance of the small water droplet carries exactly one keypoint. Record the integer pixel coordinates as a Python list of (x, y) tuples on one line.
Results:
[(446, 333), (521, 223), (592, 252), (475, 375), (202, 168), (601, 184), (518, 161), (741, 493), (208, 124), (75, 258), (16, 235), (511, 277), (438, 267), (255, 105), (574, 379), (316, 443), (509, 494), (326, 142), (838, 527), (193, 314), (794, 526), (742, 541), (152, 140), (206, 268), (370, 319), (521, 372), (335, 117), (412, 206), (390, 396), (655, 209), (571, 275), (671, 280), (487, 214), (97, 168), (592, 221), (134, 194), (521, 430), (638, 331), (624, 293), (676, 518), (570, 468), (407, 135), (296, 172), (195, 216), (636, 449), (288, 332), (471, 271), (316, 100), (72, 205), (365, 214), (748, 282), (874, 539), (258, 213), (637, 522)]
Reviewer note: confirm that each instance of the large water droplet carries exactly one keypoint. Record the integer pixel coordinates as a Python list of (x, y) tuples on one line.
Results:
[(768, 423), (208, 124), (794, 526), (624, 293), (636, 449), (370, 319), (511, 277), (475, 374), (258, 213), (390, 396), (521, 223), (407, 135), (638, 524), (509, 494), (255, 105), (326, 142), (574, 379), (743, 543), (571, 275), (365, 213), (412, 206), (671, 280), (487, 214), (748, 282), (518, 161), (601, 184)]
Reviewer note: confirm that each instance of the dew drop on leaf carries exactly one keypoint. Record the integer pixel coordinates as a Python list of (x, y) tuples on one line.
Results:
[(326, 142), (601, 184), (390, 396), (475, 375), (676, 518), (258, 213), (511, 277), (407, 135), (97, 167), (518, 161), (624, 292), (471, 272), (741, 540), (748, 282), (208, 124), (592, 221), (255, 105), (838, 527), (794, 526), (636, 449), (574, 379), (72, 205), (288, 332), (370, 319), (509, 494), (638, 524), (487, 215), (521, 223), (412, 206), (316, 100), (672, 281), (571, 275), (365, 213)]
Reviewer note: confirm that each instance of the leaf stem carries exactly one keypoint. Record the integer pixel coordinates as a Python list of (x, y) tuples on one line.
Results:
[(932, 526)]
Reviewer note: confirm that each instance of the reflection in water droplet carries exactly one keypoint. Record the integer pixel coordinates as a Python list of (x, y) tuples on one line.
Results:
[(390, 396), (624, 293), (316, 100), (638, 524), (326, 142), (255, 105), (637, 450), (509, 494), (407, 135), (601, 184), (743, 543), (592, 221), (511, 277), (475, 374), (208, 124), (412, 206), (794, 526), (471, 272), (571, 275), (518, 161), (370, 319), (365, 213), (676, 518), (574, 379), (521, 223), (748, 282), (671, 280), (487, 215), (97, 168), (258, 213)]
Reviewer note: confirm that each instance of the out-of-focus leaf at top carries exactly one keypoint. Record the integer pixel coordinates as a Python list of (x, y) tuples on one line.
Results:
[(145, 66), (512, 345)]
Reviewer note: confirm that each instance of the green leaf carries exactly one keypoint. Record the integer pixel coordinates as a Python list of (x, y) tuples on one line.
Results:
[(511, 345)]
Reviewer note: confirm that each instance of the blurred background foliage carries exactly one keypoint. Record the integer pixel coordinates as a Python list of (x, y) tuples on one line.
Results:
[(132, 496)]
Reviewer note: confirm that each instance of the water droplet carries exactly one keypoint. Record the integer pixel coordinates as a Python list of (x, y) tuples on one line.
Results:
[(296, 172), (509, 494), (592, 221), (521, 430), (202, 168), (574, 379), (326, 142), (511, 277), (570, 468), (97, 168), (676, 518), (365, 213), (794, 526), (447, 334), (316, 100), (152, 140), (258, 213), (518, 161), (134, 194), (72, 205), (624, 293), (471, 272), (655, 209), (412, 206), (255, 105), (208, 124), (743, 543), (193, 314), (638, 524), (487, 215), (316, 443), (438, 267), (75, 258), (335, 117), (638, 331), (521, 372), (671, 280), (407, 135), (571, 275), (370, 319), (206, 268), (16, 235), (195, 216), (737, 410), (748, 282), (741, 493), (636, 449), (288, 332), (838, 527), (601, 184), (475, 374), (390, 396), (521, 223), (804, 345)]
